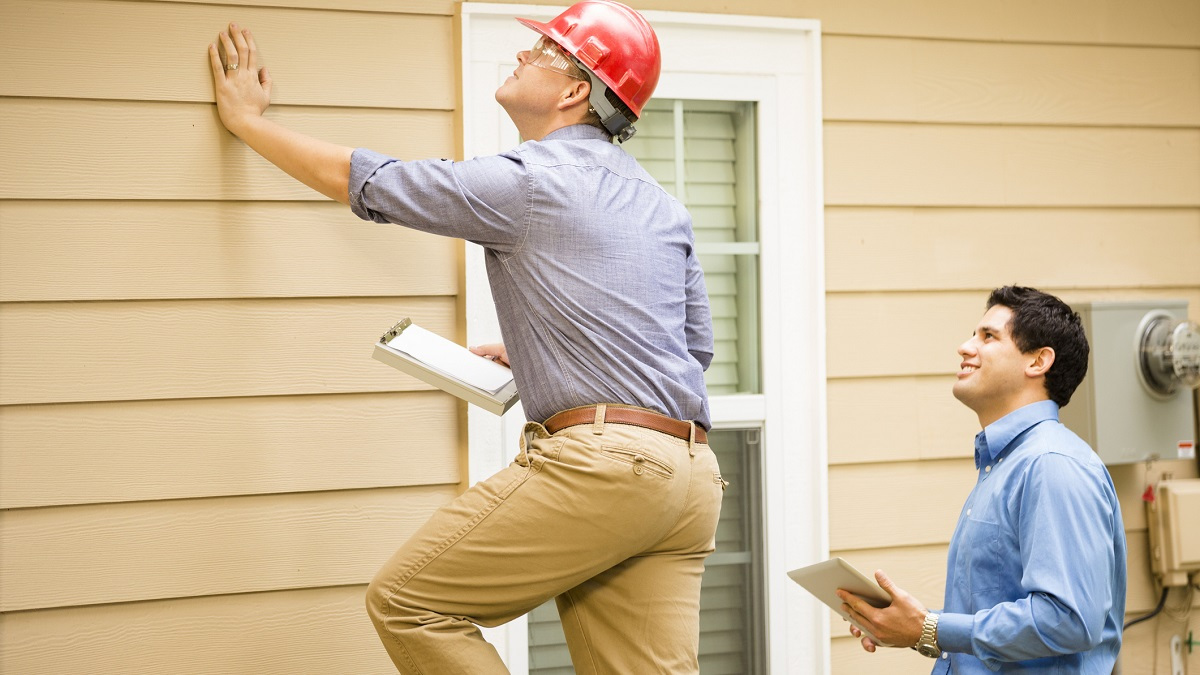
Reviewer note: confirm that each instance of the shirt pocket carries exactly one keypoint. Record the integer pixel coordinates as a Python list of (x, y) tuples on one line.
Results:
[(980, 565)]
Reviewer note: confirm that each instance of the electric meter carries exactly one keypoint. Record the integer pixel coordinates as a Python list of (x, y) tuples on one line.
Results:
[(1135, 403), (1168, 354)]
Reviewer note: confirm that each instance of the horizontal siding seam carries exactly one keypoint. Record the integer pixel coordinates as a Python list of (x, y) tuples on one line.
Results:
[(201, 101), (925, 293), (1023, 205), (1004, 125), (237, 496), (448, 10), (1003, 207), (26, 612), (1001, 124), (232, 298), (1000, 41)]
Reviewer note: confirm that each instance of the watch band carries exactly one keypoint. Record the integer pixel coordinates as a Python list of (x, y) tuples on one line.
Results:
[(927, 644)]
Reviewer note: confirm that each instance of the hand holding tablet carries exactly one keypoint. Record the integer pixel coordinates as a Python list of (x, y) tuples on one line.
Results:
[(823, 579)]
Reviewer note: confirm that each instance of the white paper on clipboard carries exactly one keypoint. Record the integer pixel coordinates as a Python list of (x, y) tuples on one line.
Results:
[(451, 359), (448, 366)]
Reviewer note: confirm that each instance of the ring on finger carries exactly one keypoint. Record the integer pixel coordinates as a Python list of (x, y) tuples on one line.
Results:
[(231, 66)]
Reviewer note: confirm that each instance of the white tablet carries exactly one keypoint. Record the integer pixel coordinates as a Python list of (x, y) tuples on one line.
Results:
[(824, 578)]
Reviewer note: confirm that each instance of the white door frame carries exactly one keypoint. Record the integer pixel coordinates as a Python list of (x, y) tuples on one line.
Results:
[(775, 62)]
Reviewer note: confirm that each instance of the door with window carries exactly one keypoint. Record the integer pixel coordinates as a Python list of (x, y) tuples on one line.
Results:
[(703, 153), (734, 133)]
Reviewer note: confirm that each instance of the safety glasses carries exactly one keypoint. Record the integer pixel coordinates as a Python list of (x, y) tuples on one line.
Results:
[(548, 55)]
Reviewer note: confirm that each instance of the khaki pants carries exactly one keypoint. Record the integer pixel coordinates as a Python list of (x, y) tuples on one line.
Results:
[(614, 521)]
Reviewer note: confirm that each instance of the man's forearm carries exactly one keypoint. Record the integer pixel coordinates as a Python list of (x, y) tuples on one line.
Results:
[(323, 166)]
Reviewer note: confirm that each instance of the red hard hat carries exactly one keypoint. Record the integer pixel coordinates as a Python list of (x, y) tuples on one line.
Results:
[(614, 42)]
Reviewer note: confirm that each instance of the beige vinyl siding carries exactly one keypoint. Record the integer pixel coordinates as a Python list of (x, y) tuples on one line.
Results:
[(924, 248), (1120, 22), (894, 164), (197, 348), (969, 146), (160, 250), (133, 50), (958, 164), (194, 547), (119, 451), (316, 630), (194, 439), (134, 150), (961, 82)]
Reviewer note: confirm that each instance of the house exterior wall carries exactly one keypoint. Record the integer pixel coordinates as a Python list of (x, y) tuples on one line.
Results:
[(967, 146), (205, 472), (200, 465)]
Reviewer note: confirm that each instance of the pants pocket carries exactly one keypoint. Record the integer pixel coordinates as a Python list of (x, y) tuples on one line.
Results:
[(639, 461)]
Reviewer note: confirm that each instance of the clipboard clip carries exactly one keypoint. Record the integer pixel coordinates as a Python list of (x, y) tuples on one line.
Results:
[(395, 330)]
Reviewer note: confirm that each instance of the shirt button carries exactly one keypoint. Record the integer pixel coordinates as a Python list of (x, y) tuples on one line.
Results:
[(987, 469), (968, 512), (945, 655)]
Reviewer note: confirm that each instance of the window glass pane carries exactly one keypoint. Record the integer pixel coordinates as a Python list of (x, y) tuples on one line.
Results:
[(732, 611), (703, 153)]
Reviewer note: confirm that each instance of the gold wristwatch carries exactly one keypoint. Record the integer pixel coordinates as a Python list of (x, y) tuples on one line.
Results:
[(927, 644)]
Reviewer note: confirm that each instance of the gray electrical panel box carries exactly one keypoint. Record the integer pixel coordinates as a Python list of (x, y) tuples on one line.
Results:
[(1116, 408)]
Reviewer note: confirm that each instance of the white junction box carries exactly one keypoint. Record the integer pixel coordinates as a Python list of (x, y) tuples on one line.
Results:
[(1174, 520), (1115, 409)]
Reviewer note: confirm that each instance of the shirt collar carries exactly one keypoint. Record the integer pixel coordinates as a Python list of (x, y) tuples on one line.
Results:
[(577, 132), (996, 437)]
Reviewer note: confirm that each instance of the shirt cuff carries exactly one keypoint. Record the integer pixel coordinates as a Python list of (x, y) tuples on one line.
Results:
[(364, 164), (954, 632)]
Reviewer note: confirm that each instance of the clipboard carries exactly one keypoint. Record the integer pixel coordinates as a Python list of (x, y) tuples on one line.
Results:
[(824, 578), (462, 373)]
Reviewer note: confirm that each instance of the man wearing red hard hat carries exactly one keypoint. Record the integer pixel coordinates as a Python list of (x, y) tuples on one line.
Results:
[(612, 504)]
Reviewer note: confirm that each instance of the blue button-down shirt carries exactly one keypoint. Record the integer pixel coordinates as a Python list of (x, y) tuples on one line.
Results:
[(592, 266), (1035, 580)]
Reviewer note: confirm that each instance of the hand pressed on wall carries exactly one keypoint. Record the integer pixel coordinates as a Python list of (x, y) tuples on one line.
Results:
[(242, 89)]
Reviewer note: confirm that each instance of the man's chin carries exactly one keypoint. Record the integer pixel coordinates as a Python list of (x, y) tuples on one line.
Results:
[(502, 97)]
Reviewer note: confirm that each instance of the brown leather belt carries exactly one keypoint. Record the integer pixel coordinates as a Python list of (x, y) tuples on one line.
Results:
[(638, 417)]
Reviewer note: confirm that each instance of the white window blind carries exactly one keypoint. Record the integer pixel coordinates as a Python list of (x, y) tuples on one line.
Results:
[(703, 152)]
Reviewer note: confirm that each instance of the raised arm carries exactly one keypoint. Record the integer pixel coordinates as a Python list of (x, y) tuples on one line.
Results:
[(243, 92)]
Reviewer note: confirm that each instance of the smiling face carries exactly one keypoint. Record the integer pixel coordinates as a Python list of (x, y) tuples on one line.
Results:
[(995, 377)]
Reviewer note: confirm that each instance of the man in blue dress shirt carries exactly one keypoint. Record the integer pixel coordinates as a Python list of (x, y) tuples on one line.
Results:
[(1035, 580)]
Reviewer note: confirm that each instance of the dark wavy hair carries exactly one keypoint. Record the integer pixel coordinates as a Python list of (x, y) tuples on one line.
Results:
[(1042, 320)]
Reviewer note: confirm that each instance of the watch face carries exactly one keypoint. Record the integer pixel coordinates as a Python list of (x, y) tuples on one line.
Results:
[(929, 650)]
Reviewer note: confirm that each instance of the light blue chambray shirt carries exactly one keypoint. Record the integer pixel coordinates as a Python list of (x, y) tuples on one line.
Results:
[(1035, 579), (592, 266)]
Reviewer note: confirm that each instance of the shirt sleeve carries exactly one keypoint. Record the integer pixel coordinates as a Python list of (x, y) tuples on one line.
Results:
[(1066, 525), (483, 200), (698, 331)]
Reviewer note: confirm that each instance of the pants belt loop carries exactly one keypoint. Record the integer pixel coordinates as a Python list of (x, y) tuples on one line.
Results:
[(598, 423), (527, 435), (692, 438)]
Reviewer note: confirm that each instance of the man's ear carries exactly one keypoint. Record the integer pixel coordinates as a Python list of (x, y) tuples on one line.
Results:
[(1040, 362), (575, 94)]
